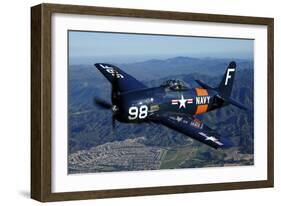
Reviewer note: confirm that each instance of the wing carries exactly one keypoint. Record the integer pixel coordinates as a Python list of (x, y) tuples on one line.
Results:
[(193, 128), (125, 81)]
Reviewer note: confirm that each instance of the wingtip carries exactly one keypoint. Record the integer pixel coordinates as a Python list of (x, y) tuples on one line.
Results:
[(100, 66), (227, 143), (97, 64), (104, 65)]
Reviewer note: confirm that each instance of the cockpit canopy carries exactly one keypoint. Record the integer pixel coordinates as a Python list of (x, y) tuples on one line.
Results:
[(176, 85)]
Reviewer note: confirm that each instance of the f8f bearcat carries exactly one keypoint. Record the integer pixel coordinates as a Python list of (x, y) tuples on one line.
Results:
[(172, 104)]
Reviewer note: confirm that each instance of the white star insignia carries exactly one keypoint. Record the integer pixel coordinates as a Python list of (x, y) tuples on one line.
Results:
[(182, 102), (211, 138), (179, 118), (215, 140)]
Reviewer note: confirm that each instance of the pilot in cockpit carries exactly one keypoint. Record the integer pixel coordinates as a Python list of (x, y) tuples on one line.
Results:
[(176, 85)]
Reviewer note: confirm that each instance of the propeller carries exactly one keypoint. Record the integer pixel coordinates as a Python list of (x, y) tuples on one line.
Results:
[(114, 100), (102, 103), (114, 88)]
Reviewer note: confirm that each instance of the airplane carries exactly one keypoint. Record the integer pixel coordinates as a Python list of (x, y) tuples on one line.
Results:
[(171, 104)]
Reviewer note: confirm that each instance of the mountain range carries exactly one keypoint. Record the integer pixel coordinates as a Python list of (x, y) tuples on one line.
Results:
[(90, 127)]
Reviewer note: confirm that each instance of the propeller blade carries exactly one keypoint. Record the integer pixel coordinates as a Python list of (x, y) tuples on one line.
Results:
[(113, 124), (114, 88), (114, 100), (102, 103)]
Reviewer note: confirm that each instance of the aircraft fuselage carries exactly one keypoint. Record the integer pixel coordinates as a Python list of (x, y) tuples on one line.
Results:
[(137, 106)]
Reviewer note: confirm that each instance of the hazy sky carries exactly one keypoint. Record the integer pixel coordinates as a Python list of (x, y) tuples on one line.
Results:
[(100, 44)]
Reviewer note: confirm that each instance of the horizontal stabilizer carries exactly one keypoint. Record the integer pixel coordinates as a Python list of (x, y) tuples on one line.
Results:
[(202, 84), (237, 104)]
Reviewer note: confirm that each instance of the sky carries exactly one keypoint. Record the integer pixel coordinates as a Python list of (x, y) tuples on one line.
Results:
[(138, 47)]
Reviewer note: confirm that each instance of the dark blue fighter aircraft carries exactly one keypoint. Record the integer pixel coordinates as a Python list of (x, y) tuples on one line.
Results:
[(171, 104)]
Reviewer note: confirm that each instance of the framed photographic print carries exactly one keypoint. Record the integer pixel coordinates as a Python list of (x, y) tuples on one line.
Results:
[(130, 102)]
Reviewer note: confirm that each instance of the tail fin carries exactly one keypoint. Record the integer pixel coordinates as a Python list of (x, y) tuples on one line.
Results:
[(225, 86)]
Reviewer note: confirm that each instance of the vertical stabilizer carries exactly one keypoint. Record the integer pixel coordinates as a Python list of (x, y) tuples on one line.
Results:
[(225, 86)]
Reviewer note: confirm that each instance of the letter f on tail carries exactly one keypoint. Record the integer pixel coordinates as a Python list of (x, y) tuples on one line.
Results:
[(225, 86)]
